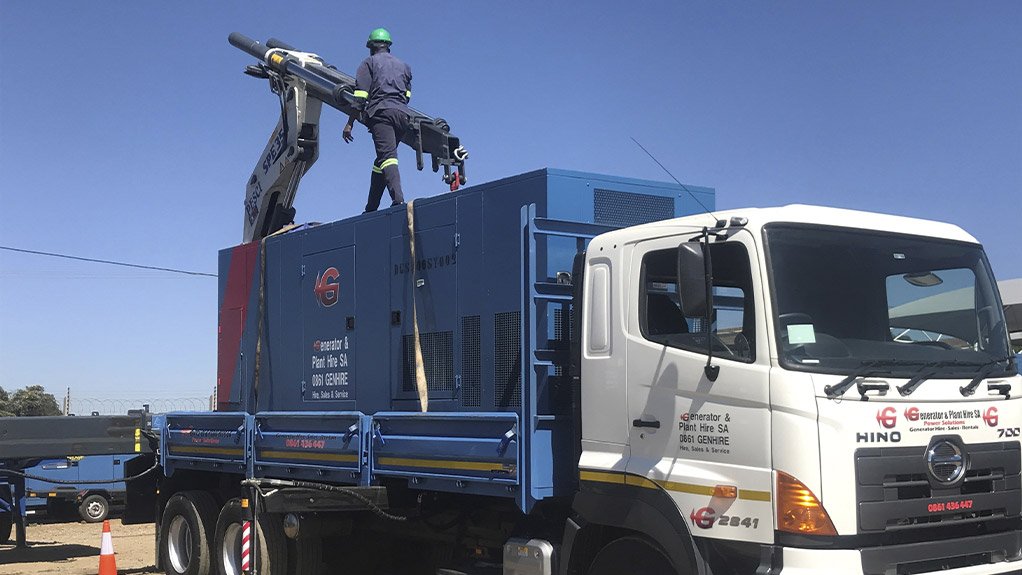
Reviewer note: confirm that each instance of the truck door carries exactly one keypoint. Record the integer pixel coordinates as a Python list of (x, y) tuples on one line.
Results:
[(62, 469), (707, 443)]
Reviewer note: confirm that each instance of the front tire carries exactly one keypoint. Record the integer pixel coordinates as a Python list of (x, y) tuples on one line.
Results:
[(270, 553), (186, 533), (94, 508), (629, 555)]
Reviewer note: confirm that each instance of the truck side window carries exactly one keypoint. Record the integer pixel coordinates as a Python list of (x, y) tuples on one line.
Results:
[(733, 331)]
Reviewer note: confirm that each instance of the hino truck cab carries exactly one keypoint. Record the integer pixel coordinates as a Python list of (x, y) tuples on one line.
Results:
[(799, 390)]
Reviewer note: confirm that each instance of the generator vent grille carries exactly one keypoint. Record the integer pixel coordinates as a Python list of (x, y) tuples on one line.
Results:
[(471, 379), (629, 209), (562, 333), (438, 357), (507, 359)]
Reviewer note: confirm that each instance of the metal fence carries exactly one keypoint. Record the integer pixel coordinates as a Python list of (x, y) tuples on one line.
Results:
[(118, 406)]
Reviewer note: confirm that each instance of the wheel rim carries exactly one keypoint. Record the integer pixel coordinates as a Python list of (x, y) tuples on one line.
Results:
[(230, 553), (94, 509), (179, 544)]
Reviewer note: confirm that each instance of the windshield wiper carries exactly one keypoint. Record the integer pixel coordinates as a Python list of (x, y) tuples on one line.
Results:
[(925, 372), (865, 369), (928, 370), (985, 370)]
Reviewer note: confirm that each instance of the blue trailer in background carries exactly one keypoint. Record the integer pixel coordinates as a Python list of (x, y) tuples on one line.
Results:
[(78, 489), (94, 452), (320, 403)]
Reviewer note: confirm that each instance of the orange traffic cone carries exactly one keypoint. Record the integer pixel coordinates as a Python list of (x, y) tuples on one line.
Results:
[(107, 560)]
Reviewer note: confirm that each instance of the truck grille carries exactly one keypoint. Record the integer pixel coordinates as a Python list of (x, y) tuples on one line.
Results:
[(895, 492)]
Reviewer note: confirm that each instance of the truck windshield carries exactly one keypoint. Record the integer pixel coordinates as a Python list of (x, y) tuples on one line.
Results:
[(846, 298)]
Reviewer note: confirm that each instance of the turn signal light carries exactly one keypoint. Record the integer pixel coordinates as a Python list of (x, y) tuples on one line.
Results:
[(725, 491), (798, 510)]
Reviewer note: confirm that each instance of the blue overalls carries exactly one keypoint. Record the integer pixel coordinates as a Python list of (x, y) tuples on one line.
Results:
[(386, 85)]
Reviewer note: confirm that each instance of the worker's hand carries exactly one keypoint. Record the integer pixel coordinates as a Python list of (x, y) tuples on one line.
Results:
[(347, 134)]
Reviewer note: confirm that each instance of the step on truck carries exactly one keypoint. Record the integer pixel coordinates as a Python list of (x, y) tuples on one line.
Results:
[(573, 374)]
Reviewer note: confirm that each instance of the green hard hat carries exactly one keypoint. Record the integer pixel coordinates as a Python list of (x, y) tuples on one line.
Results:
[(379, 35)]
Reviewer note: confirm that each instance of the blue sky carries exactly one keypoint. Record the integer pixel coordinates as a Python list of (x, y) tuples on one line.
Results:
[(127, 132)]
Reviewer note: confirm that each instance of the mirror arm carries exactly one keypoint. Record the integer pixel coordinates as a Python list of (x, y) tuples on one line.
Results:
[(711, 371)]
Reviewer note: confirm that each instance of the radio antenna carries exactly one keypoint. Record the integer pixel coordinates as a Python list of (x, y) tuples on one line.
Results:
[(683, 186)]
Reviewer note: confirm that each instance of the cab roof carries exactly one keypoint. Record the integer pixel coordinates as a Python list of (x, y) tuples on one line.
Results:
[(804, 214)]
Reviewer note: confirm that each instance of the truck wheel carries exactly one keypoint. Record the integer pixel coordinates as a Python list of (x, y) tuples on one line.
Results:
[(94, 508), (631, 555), (270, 553), (6, 522), (305, 556), (186, 533)]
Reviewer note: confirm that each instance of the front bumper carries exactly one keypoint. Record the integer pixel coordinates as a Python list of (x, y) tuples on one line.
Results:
[(979, 555)]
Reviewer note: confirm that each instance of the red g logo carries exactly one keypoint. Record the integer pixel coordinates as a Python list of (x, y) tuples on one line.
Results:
[(326, 288), (990, 416), (703, 518), (912, 414), (887, 417)]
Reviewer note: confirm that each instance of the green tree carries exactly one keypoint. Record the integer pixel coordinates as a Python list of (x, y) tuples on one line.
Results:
[(33, 401), (5, 407)]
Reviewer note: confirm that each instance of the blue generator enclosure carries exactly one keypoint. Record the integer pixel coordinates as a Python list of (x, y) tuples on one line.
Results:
[(317, 374), (321, 318)]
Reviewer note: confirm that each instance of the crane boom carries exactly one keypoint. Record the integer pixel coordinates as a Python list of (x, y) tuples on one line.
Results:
[(303, 82)]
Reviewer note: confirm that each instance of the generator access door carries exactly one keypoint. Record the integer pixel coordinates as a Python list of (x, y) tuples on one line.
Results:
[(328, 337), (431, 279)]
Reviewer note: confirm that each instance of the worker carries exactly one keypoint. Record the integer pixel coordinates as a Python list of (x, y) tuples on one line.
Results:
[(383, 85)]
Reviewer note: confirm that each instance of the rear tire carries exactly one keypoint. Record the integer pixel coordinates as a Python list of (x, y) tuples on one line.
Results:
[(305, 556), (269, 555), (94, 508), (186, 533), (631, 555)]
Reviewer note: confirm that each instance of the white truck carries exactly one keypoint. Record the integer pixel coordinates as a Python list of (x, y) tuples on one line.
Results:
[(817, 391), (861, 414)]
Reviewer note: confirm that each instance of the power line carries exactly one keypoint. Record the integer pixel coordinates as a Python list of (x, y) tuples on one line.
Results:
[(683, 186), (113, 263)]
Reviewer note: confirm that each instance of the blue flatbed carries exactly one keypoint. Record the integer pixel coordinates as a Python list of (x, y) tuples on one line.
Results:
[(316, 373)]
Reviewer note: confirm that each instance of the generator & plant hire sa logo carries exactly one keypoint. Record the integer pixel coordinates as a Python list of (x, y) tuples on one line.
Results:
[(887, 417), (327, 289)]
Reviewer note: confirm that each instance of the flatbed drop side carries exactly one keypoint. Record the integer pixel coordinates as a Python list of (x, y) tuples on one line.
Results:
[(853, 410)]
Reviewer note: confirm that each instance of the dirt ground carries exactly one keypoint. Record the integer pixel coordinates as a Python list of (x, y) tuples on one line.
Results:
[(73, 549)]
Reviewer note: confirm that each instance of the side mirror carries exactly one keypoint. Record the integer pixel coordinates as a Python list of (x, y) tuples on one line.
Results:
[(692, 279)]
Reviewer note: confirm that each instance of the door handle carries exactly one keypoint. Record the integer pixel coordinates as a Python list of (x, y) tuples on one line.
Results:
[(655, 424)]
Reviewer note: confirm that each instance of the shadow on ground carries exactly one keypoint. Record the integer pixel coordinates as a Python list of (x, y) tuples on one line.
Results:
[(44, 518), (138, 571), (49, 551)]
